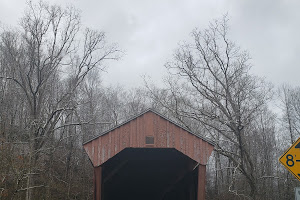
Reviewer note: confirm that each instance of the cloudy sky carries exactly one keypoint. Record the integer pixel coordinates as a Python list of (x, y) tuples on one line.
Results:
[(150, 30)]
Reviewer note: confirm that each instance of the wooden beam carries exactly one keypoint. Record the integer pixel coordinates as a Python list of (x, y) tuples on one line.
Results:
[(97, 183), (201, 182)]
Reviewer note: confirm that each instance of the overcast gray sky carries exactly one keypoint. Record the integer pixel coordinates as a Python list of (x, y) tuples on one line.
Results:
[(149, 31)]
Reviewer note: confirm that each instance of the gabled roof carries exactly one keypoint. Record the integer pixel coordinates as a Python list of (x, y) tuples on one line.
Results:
[(159, 114)]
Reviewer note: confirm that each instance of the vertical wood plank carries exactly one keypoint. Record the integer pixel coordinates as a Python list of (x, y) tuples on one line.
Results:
[(97, 183), (201, 182)]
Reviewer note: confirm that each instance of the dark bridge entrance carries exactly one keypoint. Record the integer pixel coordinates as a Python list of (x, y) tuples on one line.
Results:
[(171, 167), (152, 174)]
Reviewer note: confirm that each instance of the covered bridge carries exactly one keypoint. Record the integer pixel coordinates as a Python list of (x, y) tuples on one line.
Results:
[(149, 157)]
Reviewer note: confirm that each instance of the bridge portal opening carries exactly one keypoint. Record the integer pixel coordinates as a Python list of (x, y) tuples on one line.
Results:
[(149, 174)]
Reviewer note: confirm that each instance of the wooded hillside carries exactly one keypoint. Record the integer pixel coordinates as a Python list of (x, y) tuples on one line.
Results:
[(52, 100)]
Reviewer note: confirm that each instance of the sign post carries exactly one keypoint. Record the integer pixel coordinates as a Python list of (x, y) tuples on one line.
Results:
[(297, 193), (291, 159)]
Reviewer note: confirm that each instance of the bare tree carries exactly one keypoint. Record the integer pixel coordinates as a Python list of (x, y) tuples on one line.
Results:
[(212, 85), (48, 48), (290, 105), (289, 102)]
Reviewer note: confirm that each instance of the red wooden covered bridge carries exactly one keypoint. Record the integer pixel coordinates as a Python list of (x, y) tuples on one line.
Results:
[(149, 157)]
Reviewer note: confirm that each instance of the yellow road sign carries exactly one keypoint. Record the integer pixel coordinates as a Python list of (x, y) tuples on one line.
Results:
[(291, 159)]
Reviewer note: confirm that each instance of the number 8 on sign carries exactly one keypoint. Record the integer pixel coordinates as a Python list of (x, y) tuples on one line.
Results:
[(291, 159)]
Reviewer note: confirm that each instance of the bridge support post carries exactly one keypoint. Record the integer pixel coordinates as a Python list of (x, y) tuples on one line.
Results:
[(201, 182), (97, 183)]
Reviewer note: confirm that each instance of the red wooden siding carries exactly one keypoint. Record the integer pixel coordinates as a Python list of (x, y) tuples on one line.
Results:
[(133, 134)]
